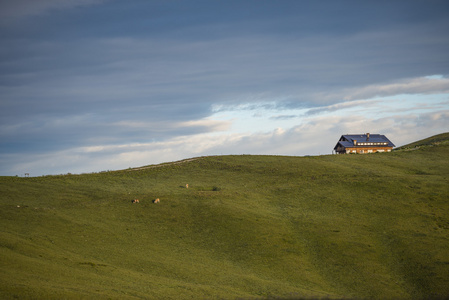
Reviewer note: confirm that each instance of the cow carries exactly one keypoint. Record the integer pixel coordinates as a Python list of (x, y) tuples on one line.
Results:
[(135, 201), (187, 185), (156, 200)]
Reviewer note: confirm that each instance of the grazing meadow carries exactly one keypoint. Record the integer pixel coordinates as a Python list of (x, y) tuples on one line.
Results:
[(247, 227)]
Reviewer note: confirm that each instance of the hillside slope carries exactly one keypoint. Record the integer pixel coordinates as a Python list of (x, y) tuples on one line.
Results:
[(429, 142), (341, 226)]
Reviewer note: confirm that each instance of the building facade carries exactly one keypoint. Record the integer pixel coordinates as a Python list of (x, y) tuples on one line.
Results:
[(363, 143)]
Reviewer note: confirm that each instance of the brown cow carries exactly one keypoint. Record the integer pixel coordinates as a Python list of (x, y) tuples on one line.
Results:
[(135, 201), (156, 200)]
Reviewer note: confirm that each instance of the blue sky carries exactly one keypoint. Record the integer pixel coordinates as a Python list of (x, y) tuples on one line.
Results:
[(92, 85)]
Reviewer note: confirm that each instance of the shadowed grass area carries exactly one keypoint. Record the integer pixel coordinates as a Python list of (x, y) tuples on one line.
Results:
[(341, 226)]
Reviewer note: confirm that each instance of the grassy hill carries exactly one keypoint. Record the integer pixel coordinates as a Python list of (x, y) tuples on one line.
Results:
[(252, 227), (435, 140)]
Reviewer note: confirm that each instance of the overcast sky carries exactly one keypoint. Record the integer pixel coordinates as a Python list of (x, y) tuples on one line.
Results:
[(93, 85)]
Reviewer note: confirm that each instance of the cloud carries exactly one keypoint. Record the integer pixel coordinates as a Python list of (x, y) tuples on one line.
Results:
[(22, 8), (283, 117), (56, 133), (211, 125), (207, 125), (342, 106), (363, 96), (422, 85), (119, 78), (317, 134), (125, 72)]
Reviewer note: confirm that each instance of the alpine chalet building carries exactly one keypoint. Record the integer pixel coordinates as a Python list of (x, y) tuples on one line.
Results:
[(363, 143)]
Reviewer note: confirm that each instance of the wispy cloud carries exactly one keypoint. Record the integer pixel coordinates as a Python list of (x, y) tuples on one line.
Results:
[(419, 85), (422, 85), (342, 106), (284, 117)]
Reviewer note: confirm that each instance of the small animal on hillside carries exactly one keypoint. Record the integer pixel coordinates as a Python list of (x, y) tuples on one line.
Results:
[(187, 185), (135, 201), (156, 200)]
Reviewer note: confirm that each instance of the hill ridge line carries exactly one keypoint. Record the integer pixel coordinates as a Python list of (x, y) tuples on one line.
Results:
[(165, 164)]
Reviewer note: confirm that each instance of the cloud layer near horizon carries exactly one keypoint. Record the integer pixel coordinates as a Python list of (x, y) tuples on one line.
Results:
[(95, 85)]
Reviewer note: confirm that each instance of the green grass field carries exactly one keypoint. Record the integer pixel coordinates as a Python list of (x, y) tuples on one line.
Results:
[(250, 227)]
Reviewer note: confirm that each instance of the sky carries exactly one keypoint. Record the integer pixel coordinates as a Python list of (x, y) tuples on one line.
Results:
[(96, 85)]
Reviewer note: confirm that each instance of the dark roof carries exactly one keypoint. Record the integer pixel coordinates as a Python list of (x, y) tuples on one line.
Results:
[(347, 140), (345, 144)]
